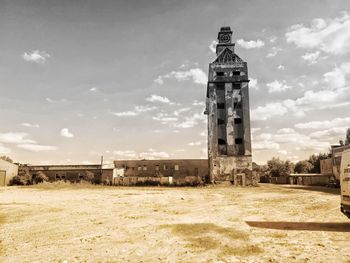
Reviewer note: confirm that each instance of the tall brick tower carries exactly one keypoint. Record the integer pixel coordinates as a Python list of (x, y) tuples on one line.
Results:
[(227, 107)]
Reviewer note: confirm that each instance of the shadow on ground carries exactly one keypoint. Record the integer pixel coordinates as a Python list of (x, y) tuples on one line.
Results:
[(308, 226), (328, 190)]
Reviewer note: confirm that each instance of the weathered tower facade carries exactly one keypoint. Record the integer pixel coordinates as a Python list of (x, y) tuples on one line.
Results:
[(227, 107)]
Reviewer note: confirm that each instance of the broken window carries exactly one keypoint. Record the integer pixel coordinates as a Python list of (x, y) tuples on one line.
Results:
[(219, 73), (145, 167), (221, 142), (238, 120), (221, 121), (165, 167), (221, 105), (139, 168), (58, 177), (157, 167), (238, 140), (236, 73), (176, 167), (237, 105), (236, 85)]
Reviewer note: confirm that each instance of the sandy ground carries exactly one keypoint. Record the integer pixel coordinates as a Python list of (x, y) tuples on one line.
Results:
[(268, 223)]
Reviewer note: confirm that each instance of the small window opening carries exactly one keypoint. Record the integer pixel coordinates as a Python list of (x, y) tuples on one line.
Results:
[(220, 74), (145, 167), (236, 86), (237, 105), (238, 140), (221, 121), (236, 73), (139, 168), (221, 105), (221, 142), (238, 120), (157, 167), (176, 167)]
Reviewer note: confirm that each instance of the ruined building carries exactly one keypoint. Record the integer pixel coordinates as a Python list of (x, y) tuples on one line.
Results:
[(227, 107)]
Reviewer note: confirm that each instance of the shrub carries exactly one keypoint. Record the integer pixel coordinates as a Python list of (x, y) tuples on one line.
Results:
[(40, 178), (18, 180)]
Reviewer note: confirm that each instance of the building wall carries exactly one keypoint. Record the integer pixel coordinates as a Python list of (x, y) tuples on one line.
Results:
[(9, 171), (72, 173), (326, 166), (164, 168)]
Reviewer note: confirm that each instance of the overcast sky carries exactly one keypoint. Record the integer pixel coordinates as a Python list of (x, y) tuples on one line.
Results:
[(127, 79)]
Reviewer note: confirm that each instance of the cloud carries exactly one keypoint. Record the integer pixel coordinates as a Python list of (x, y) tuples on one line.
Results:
[(31, 125), (149, 154), (336, 79), (137, 111), (335, 132), (182, 110), (273, 52), (311, 57), (324, 124), (157, 98), (198, 143), (36, 147), (265, 145), (191, 121), (15, 137), (195, 74), (212, 46), (198, 103), (93, 89), (164, 118), (329, 35), (66, 133), (253, 83), (250, 44), (55, 101), (4, 150), (277, 86), (281, 67), (36, 56)]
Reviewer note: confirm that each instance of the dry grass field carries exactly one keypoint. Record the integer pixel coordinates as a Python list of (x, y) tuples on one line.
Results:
[(269, 223)]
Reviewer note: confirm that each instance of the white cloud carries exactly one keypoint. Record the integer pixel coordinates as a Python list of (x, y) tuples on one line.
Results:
[(93, 89), (36, 147), (273, 52), (195, 74), (329, 35), (335, 132), (191, 121), (277, 86), (212, 46), (159, 80), (15, 137), (182, 110), (164, 118), (253, 83), (31, 125), (198, 103), (265, 145), (281, 67), (311, 57), (66, 133), (157, 98), (137, 111), (269, 110), (250, 44), (324, 124), (336, 79), (4, 150), (273, 39), (149, 154), (195, 143), (36, 56)]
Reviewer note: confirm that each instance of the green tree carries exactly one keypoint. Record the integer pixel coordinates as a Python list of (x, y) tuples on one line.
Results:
[(314, 159), (303, 167), (277, 167), (40, 178)]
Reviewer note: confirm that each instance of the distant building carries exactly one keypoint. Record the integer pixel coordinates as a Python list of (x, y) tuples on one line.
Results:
[(7, 172), (227, 107)]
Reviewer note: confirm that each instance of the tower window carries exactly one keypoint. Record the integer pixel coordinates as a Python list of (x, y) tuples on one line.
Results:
[(139, 168), (165, 167), (220, 74), (236, 73), (176, 167), (236, 85), (145, 168), (237, 105), (157, 167), (221, 121), (238, 120), (221, 105), (238, 140), (221, 142)]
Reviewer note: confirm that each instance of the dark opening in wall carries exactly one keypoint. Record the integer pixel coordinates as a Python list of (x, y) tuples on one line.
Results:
[(221, 121), (236, 85), (219, 74), (238, 120), (221, 105), (238, 140), (237, 105), (236, 73), (220, 86), (221, 142)]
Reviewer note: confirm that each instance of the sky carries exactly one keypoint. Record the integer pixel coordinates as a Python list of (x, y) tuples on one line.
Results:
[(127, 79)]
